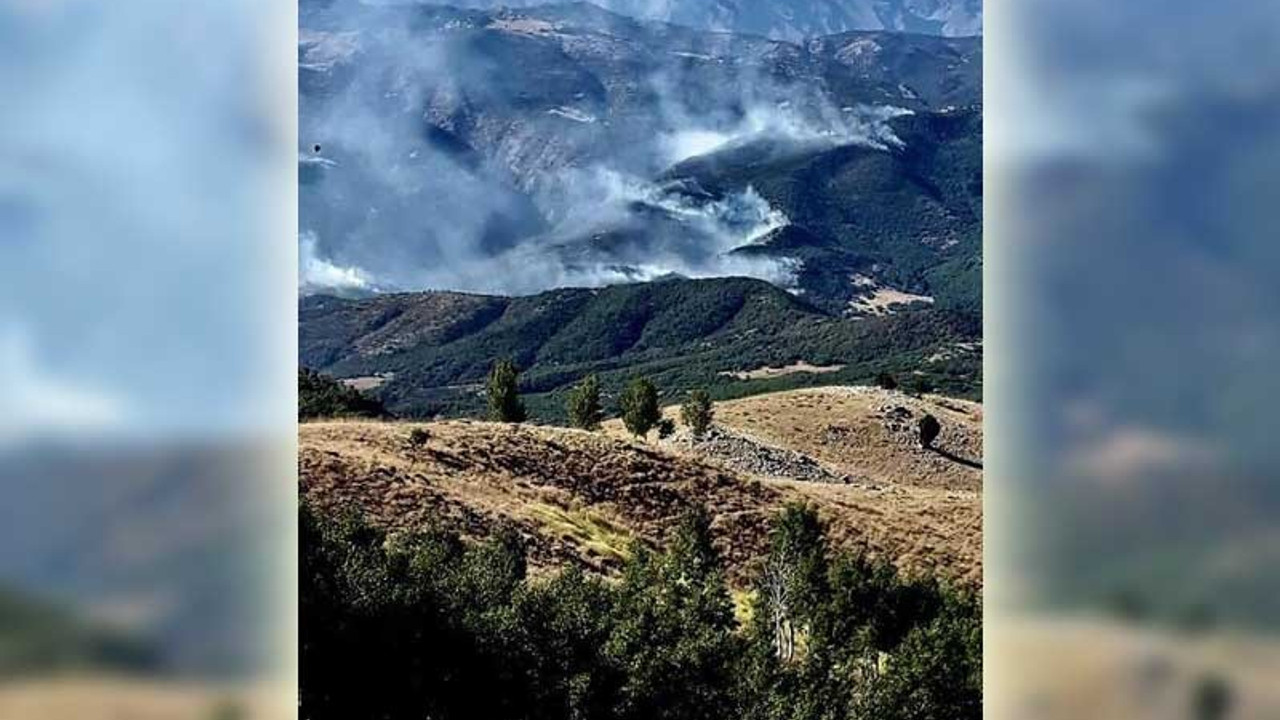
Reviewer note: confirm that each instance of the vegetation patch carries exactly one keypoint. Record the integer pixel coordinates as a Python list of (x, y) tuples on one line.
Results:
[(589, 530)]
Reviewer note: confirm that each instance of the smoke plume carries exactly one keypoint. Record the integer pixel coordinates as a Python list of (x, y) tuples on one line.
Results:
[(504, 153)]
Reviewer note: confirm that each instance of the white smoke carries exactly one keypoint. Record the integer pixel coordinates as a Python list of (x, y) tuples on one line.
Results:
[(316, 274), (395, 211), (822, 126), (711, 230)]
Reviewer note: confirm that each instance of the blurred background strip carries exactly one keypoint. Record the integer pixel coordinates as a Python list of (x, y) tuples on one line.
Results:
[(1132, 525), (147, 337)]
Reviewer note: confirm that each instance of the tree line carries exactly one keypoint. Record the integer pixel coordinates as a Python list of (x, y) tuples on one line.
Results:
[(639, 405), (430, 626)]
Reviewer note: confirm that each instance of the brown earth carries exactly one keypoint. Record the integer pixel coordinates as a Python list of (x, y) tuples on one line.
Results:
[(580, 497)]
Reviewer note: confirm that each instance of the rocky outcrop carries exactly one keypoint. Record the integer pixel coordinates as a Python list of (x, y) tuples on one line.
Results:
[(749, 456)]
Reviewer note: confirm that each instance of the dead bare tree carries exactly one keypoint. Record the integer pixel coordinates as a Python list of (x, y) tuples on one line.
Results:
[(777, 587)]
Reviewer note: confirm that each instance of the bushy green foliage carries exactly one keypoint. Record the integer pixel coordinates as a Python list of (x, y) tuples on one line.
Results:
[(639, 407), (936, 671), (431, 626), (673, 635), (847, 637), (929, 428), (886, 381), (583, 407), (503, 393), (666, 428), (320, 396), (921, 385), (697, 413)]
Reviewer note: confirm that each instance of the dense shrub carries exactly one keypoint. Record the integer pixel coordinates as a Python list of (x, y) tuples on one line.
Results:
[(583, 407), (433, 626), (320, 396), (503, 394), (666, 428), (929, 429), (697, 412), (639, 406)]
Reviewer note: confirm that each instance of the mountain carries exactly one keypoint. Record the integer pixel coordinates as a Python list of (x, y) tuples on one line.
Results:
[(423, 354), (512, 151), (40, 637), (792, 19), (163, 546)]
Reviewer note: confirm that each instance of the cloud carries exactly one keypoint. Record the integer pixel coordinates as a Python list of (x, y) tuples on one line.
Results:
[(40, 402)]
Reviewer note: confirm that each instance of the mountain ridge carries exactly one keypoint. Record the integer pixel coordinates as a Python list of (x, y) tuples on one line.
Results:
[(509, 151), (424, 354), (783, 20)]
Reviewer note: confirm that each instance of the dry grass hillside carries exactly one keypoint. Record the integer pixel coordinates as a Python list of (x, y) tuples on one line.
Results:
[(108, 697), (866, 435), (574, 496), (584, 497), (853, 451)]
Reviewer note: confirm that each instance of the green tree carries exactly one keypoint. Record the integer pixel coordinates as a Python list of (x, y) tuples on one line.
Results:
[(640, 410), (321, 396), (503, 393), (583, 405), (697, 413), (929, 428), (674, 634), (426, 624), (794, 585), (936, 672), (1211, 698), (666, 428), (921, 385), (886, 381)]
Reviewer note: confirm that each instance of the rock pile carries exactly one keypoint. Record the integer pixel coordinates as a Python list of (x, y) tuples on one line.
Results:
[(752, 457)]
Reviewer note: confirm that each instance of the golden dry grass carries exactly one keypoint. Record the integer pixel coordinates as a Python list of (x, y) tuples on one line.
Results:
[(575, 496), (1082, 667), (851, 430), (580, 497), (99, 697), (920, 508)]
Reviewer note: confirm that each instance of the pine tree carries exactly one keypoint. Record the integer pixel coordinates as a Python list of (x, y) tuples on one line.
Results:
[(697, 413), (503, 393), (583, 406), (640, 411)]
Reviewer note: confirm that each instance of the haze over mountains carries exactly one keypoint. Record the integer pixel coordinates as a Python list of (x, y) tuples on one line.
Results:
[(791, 19), (513, 151), (520, 152)]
